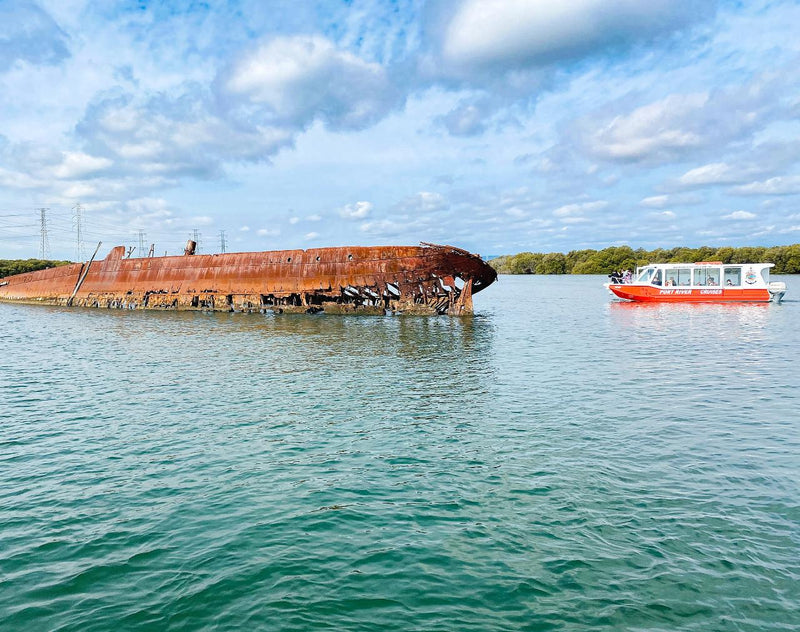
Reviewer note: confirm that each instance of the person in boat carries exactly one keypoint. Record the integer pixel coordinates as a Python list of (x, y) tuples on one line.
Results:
[(615, 276), (627, 276), (711, 281), (671, 282), (729, 282)]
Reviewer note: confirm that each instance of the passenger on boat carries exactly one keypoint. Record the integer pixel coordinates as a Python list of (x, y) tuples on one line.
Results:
[(729, 282), (711, 281), (671, 282), (627, 276), (615, 276)]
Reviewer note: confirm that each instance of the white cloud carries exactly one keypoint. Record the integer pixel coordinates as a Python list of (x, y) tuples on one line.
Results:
[(665, 215), (312, 235), (76, 164), (202, 220), (294, 220), (268, 232), (781, 185), (740, 215), (244, 229), (519, 33), (714, 173), (297, 79), (570, 210), (656, 128), (358, 210), (655, 201)]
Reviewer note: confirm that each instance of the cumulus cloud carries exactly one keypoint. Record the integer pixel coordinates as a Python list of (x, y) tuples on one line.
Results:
[(740, 215), (714, 173), (176, 134), (268, 232), (358, 210), (78, 164), (662, 128), (294, 80), (422, 202), (655, 201), (781, 185), (513, 34), (680, 125), (571, 210)]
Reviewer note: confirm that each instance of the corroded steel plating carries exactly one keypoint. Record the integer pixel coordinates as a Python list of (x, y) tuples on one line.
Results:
[(425, 279)]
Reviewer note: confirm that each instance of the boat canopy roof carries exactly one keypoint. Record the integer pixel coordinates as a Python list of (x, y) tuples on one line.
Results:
[(700, 264)]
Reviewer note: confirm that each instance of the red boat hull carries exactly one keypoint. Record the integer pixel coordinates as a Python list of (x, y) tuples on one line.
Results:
[(651, 294)]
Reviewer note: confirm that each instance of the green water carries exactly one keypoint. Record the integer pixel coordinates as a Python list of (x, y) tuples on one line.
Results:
[(557, 462)]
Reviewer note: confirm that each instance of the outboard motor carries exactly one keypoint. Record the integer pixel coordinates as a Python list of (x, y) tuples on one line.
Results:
[(776, 290)]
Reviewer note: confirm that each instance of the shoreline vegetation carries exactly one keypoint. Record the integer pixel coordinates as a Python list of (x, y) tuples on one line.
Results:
[(606, 261), (9, 267)]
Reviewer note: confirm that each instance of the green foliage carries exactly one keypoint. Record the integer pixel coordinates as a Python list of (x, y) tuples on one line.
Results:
[(785, 258), (18, 266)]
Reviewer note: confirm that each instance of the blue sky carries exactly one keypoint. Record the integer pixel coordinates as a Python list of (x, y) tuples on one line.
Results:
[(495, 125)]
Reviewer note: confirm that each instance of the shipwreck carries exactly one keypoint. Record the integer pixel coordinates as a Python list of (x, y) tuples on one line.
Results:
[(424, 279)]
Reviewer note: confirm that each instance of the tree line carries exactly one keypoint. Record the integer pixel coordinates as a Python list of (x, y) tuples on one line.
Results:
[(785, 258), (18, 266)]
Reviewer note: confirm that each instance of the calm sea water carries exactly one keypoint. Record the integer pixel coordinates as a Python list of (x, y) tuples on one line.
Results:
[(557, 462)]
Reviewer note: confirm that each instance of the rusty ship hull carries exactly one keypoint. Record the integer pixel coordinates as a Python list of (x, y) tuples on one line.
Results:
[(425, 279)]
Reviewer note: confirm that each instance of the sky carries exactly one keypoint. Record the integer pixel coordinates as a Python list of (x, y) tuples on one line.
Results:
[(498, 126)]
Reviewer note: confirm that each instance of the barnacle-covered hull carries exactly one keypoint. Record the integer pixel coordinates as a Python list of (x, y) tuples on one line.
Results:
[(425, 279)]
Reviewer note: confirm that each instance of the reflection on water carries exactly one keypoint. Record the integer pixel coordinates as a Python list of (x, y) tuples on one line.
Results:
[(693, 321)]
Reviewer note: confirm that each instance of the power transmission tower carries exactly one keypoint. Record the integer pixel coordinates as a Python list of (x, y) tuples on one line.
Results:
[(223, 243), (141, 243), (80, 254), (44, 246), (196, 236)]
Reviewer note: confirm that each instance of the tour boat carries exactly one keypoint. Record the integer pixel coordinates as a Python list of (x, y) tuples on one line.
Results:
[(701, 282)]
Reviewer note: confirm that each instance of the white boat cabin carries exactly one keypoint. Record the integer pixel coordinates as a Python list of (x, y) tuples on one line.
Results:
[(705, 274)]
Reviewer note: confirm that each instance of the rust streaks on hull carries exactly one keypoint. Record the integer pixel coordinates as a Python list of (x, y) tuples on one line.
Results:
[(426, 279)]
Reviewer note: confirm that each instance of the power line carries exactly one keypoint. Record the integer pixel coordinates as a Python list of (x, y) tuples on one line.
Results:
[(223, 243), (196, 237), (141, 243)]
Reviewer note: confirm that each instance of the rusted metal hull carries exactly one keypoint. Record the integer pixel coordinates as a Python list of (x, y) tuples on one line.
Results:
[(425, 279)]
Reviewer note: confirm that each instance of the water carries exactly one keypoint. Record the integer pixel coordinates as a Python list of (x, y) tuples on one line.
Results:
[(557, 462)]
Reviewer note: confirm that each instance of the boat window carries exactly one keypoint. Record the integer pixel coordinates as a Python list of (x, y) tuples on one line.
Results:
[(706, 276), (656, 280), (678, 276), (732, 276), (644, 277)]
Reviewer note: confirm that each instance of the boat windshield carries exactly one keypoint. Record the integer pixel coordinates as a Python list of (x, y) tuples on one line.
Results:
[(644, 276)]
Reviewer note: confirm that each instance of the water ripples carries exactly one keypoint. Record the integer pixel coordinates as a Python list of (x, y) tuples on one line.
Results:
[(556, 462)]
